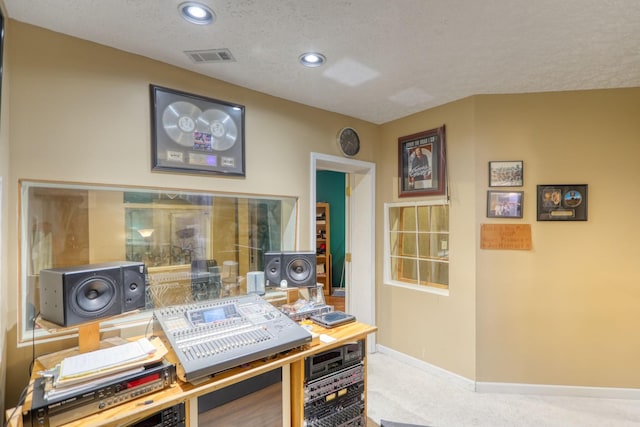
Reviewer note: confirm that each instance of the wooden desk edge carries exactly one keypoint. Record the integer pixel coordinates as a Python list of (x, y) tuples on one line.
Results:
[(133, 411)]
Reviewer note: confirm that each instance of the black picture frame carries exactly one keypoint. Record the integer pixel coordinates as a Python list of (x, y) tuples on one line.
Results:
[(196, 134), (422, 163), (505, 204), (562, 202), (508, 173)]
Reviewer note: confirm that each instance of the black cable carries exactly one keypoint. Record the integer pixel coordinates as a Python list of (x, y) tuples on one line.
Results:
[(146, 330), (33, 344), (23, 396)]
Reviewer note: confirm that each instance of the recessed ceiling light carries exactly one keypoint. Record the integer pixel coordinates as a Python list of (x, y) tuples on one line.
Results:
[(312, 59), (196, 13)]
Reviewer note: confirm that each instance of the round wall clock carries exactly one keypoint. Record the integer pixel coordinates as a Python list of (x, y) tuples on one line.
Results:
[(348, 141)]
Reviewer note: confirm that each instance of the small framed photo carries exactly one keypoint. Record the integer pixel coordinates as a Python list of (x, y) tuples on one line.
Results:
[(194, 134), (504, 204), (562, 202), (422, 163), (506, 174)]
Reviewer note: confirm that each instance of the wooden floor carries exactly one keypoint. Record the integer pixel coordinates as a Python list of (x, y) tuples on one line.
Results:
[(260, 409), (336, 302)]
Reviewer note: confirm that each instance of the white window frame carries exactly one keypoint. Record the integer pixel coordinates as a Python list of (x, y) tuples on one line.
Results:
[(387, 249)]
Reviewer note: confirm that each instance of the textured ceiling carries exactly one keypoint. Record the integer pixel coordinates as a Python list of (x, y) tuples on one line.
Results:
[(386, 59)]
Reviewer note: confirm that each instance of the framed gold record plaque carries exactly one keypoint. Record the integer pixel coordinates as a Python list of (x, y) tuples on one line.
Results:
[(191, 133), (562, 202)]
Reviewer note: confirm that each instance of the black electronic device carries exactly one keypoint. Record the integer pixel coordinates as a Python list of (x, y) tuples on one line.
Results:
[(133, 286), (334, 387), (78, 294), (209, 337), (290, 269), (333, 319), (168, 417), (333, 360), (54, 407)]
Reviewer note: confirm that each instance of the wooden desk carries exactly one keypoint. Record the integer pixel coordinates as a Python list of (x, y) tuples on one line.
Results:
[(293, 381)]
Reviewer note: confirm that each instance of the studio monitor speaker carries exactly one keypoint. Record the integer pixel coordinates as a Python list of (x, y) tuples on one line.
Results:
[(78, 294), (290, 269), (272, 268), (133, 286)]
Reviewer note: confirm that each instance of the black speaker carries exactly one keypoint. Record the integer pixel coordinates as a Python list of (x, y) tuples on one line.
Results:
[(290, 269), (78, 294), (133, 286), (272, 268)]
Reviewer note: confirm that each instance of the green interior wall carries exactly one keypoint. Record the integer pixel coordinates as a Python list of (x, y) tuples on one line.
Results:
[(330, 188)]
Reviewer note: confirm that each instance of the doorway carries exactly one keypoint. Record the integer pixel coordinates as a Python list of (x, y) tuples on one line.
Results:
[(359, 273), (330, 190)]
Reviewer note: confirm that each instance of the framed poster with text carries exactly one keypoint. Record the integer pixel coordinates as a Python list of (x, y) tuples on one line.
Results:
[(422, 163)]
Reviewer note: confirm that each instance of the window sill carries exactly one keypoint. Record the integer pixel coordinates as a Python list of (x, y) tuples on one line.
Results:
[(123, 323), (427, 289)]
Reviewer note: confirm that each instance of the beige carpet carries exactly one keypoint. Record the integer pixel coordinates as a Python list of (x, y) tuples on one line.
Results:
[(401, 393)]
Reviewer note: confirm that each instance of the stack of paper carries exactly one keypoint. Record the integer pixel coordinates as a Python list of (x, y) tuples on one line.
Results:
[(103, 362)]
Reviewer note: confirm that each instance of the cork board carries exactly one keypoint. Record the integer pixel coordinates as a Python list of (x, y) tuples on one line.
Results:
[(505, 236)]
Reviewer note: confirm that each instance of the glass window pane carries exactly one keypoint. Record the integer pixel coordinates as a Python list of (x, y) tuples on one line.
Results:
[(409, 245), (395, 268), (409, 271), (394, 241), (433, 245), (424, 245), (419, 244), (175, 234), (423, 218), (394, 219), (440, 218), (440, 273), (440, 245), (409, 219), (434, 273)]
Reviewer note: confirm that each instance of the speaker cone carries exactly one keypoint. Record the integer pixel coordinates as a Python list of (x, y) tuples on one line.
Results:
[(299, 270), (95, 295)]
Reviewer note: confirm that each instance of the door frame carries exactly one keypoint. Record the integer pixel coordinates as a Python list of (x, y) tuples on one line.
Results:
[(360, 236)]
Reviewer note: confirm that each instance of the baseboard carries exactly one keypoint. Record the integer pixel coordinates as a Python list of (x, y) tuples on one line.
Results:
[(513, 388), (559, 390), (461, 381)]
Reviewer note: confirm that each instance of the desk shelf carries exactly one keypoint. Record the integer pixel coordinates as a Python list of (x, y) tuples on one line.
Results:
[(292, 363)]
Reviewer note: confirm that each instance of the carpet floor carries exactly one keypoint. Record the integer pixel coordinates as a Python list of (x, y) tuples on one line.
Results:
[(402, 393)]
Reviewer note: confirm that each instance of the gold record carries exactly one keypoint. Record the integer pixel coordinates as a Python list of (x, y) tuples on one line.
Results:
[(179, 122)]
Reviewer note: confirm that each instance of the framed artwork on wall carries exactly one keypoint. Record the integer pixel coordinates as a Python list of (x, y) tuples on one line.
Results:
[(504, 204), (562, 202), (506, 174), (191, 133), (422, 163)]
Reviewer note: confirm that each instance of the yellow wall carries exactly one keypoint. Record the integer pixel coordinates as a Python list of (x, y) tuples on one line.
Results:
[(80, 112), (568, 311), (4, 224), (437, 329), (565, 312)]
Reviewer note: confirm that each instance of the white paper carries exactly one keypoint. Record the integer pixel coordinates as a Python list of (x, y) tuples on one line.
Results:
[(99, 360)]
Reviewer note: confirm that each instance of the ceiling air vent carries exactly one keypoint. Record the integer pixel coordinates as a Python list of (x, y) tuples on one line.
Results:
[(210, 55)]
